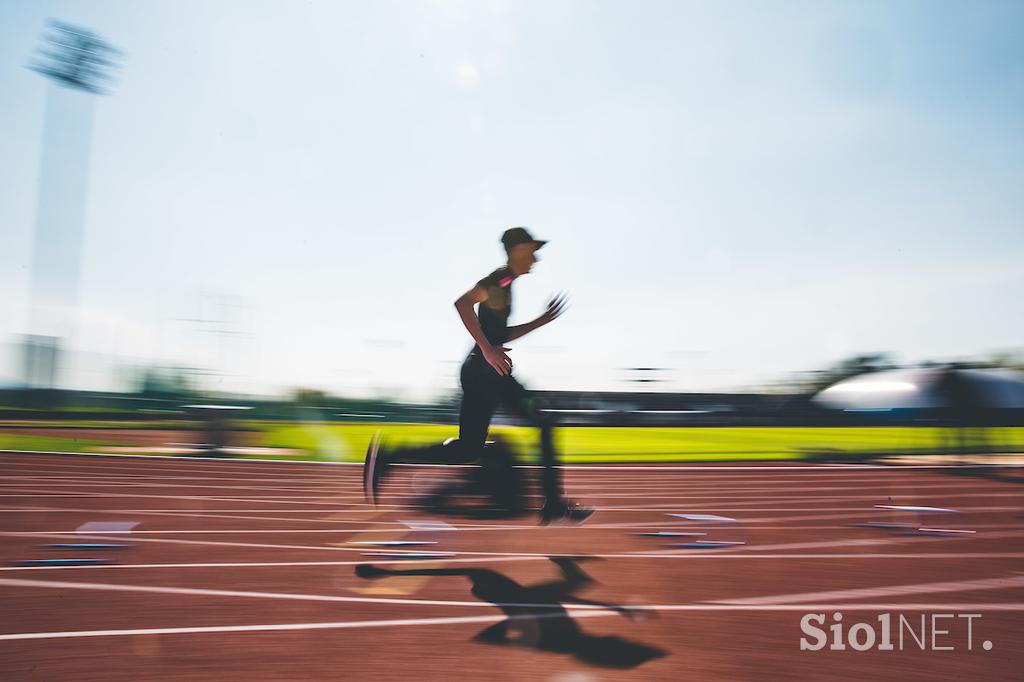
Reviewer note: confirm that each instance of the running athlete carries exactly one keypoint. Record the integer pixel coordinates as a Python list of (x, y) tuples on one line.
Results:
[(487, 383)]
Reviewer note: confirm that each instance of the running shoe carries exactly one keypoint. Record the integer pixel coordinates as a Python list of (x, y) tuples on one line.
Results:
[(564, 510)]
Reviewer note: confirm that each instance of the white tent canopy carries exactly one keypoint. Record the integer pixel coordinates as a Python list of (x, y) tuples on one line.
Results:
[(908, 389)]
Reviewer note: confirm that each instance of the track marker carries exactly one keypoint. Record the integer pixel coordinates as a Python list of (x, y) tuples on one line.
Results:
[(394, 543), (706, 544), (429, 525), (910, 508), (939, 532), (411, 555), (712, 518), (107, 527)]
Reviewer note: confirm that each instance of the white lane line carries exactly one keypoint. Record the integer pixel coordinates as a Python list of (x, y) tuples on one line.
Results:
[(351, 485), (657, 502), (684, 481), (701, 485), (856, 513), (285, 564), (986, 556), (874, 542), (870, 542), (857, 510), (805, 496), (812, 493), (817, 557), (317, 492), (1002, 583), (572, 612), (320, 488), (358, 500), (361, 510), (685, 552), (830, 597), (257, 545), (340, 527), (704, 492), (741, 479), (335, 531), (268, 499), (90, 458), (289, 596), (675, 484), (611, 474), (824, 517), (247, 467), (604, 468), (213, 543), (377, 528), (746, 499), (314, 483), (305, 499), (201, 515), (256, 628), (728, 467), (156, 472)]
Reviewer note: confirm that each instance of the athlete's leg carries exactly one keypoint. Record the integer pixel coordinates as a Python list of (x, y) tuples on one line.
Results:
[(479, 401), (500, 479), (475, 412), (519, 401), (556, 506), (448, 452)]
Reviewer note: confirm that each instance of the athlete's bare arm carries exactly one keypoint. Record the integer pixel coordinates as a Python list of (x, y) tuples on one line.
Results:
[(556, 306), (494, 355)]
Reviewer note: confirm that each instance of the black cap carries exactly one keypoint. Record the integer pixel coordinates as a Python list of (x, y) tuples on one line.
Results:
[(518, 235)]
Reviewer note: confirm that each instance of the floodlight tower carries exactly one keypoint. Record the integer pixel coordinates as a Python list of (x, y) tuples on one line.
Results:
[(79, 65)]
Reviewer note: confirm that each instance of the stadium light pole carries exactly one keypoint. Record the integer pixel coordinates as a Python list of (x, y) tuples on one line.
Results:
[(79, 65)]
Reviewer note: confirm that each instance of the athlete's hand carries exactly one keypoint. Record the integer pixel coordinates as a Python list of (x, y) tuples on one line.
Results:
[(557, 305), (496, 358)]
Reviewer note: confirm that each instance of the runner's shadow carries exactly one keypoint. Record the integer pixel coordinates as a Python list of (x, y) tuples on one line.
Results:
[(494, 488), (536, 616)]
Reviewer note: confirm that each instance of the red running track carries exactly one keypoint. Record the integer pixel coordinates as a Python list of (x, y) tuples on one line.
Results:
[(246, 570)]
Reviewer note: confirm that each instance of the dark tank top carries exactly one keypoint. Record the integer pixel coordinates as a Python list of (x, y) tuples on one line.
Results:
[(494, 312)]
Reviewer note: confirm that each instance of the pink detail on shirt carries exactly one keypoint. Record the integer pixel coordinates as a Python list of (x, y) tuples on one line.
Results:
[(505, 282)]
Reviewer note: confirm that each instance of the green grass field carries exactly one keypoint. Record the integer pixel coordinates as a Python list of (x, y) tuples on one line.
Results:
[(347, 442), (17, 441), (634, 444)]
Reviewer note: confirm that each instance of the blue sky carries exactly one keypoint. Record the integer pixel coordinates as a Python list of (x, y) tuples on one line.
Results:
[(733, 190)]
